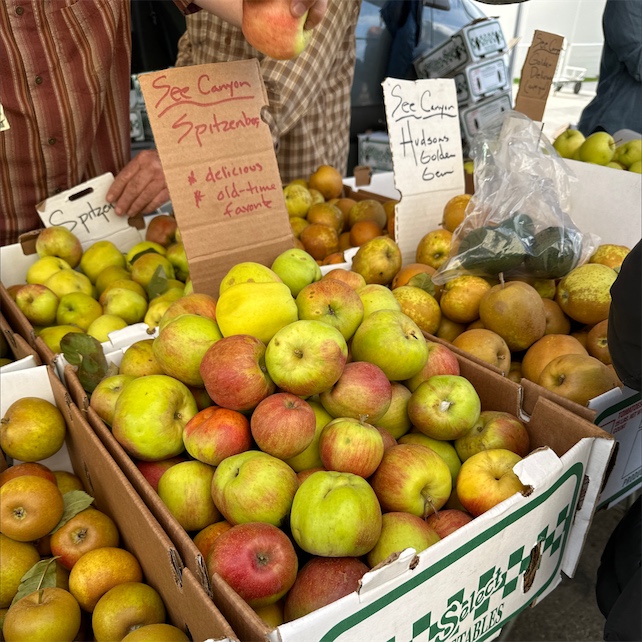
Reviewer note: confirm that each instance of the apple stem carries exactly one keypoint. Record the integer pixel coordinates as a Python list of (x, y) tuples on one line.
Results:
[(444, 405), (428, 504), (363, 418), (4, 421), (501, 278)]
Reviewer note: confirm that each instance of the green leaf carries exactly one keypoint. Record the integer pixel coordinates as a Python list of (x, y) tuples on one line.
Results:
[(41, 575), (149, 250), (423, 281), (157, 284), (86, 353), (75, 502)]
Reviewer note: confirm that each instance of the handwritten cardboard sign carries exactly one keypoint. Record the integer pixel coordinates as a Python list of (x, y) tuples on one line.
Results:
[(219, 163), (537, 74), (425, 138), (85, 211)]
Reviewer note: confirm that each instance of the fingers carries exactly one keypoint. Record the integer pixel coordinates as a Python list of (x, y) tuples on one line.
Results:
[(140, 186), (316, 9)]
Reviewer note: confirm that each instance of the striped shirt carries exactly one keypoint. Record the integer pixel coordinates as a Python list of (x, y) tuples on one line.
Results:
[(309, 96), (64, 88)]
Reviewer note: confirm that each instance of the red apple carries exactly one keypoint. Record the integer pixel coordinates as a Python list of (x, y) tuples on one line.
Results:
[(195, 303), (302, 475), (321, 581), (152, 471), (161, 229), (27, 468), (362, 392), (486, 479), (234, 372), (204, 539), (441, 361), (494, 429), (283, 425), (388, 440), (257, 560), (214, 433), (348, 445), (448, 520), (412, 478)]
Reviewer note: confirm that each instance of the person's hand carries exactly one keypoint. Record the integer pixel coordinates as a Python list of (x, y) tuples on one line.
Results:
[(316, 8), (140, 186)]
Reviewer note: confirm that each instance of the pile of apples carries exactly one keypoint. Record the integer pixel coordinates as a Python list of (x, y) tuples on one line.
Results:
[(63, 574), (600, 148), (303, 429), (325, 224), (550, 331), (101, 289)]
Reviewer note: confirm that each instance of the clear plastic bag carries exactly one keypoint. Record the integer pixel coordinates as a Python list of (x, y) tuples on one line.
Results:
[(517, 222)]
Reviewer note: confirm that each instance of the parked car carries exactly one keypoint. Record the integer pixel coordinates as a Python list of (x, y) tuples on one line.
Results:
[(440, 20)]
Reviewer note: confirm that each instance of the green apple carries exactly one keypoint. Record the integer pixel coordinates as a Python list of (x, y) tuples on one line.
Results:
[(377, 297), (336, 515), (78, 308), (392, 341), (16, 558), (444, 449), (598, 148), (150, 415), (159, 306), (248, 272), (125, 303), (306, 357), (629, 152), (296, 268), (139, 360), (178, 258), (100, 327), (568, 141), (66, 281), (185, 489), (310, 457), (400, 531), (110, 274), (145, 267), (395, 420), (636, 167), (143, 246), (59, 241), (298, 200), (614, 165), (98, 256), (106, 393), (38, 303), (53, 334), (181, 345), (254, 487), (45, 267)]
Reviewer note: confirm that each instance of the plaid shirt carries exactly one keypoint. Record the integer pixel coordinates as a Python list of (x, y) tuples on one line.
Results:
[(64, 88), (309, 97)]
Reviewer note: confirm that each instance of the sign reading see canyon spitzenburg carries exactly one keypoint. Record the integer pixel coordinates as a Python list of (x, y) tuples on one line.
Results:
[(219, 163)]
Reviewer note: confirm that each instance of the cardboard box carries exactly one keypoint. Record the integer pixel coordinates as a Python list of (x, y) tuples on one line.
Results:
[(473, 43), (374, 151), (24, 356), (481, 80), (188, 606)]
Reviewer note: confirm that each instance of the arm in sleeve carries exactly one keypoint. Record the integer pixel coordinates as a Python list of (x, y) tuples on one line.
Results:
[(622, 24), (184, 55)]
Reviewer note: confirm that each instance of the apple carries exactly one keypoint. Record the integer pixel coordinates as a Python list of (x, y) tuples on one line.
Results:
[(392, 341), (327, 180), (234, 372), (257, 560), (310, 457), (150, 415), (27, 468), (257, 309), (412, 478), (101, 327), (283, 425), (49, 614), (335, 514), (298, 200), (494, 429), (103, 398), (144, 268), (79, 309), (204, 539), (444, 449), (32, 429), (296, 268), (67, 281), (627, 153), (98, 256), (178, 259), (377, 297), (306, 357), (40, 271), (362, 392), (215, 433), (441, 361), (143, 247), (195, 303), (99, 570), (110, 274), (38, 303), (60, 242), (332, 302), (447, 521), (52, 335), (321, 581), (125, 303), (396, 420), (487, 346), (124, 608), (161, 229), (377, 260), (400, 531), (349, 445), (353, 279), (254, 487), (444, 407), (598, 148), (152, 471), (181, 345), (486, 479), (271, 28), (567, 143), (16, 558), (139, 360), (124, 283), (85, 531), (156, 633), (185, 489), (248, 272)]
